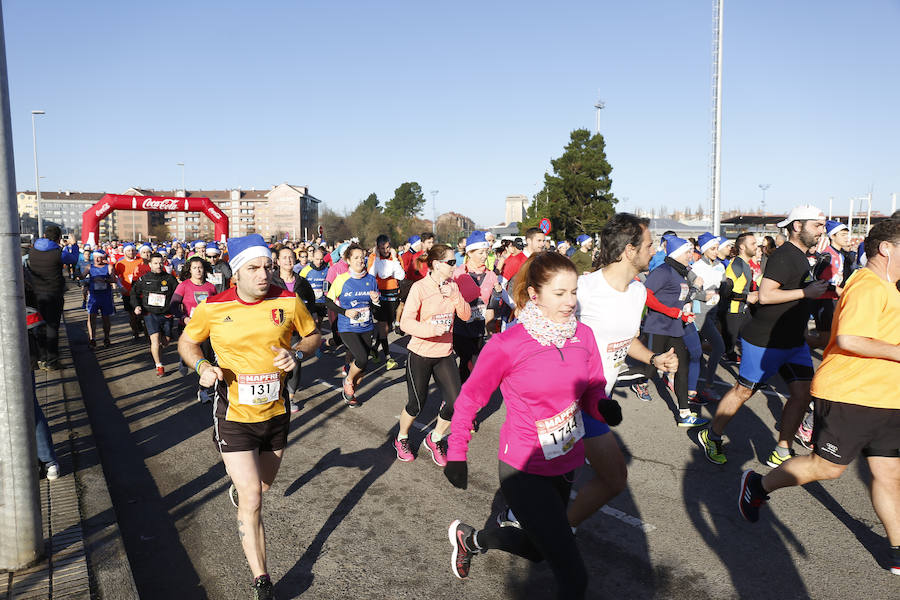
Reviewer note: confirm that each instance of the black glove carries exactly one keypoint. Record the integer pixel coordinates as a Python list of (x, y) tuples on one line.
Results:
[(611, 411), (457, 473)]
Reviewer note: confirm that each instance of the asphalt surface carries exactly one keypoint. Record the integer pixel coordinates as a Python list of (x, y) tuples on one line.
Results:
[(345, 519)]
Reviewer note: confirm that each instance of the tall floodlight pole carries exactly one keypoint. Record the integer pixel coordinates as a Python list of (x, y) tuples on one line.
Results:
[(893, 203), (764, 187), (183, 191), (599, 106), (37, 183), (434, 193), (22, 538), (717, 116)]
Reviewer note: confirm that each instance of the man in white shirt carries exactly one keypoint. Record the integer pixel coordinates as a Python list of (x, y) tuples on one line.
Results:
[(611, 302)]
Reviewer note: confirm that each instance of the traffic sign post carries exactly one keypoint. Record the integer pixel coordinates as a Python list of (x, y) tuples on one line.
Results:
[(545, 225)]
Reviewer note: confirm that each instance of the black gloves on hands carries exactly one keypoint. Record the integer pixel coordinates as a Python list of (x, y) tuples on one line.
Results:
[(611, 411), (457, 472)]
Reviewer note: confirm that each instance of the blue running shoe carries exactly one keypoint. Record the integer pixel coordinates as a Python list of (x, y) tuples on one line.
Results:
[(691, 420)]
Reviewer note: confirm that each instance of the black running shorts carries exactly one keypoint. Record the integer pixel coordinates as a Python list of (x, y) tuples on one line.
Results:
[(842, 431), (267, 436)]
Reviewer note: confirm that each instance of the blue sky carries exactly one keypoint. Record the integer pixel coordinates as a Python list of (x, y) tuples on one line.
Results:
[(469, 98)]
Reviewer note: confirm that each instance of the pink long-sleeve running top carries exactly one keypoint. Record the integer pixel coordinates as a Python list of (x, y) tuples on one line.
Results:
[(543, 388), (426, 306)]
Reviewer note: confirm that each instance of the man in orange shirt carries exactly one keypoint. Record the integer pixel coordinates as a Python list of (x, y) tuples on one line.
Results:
[(129, 269), (857, 408)]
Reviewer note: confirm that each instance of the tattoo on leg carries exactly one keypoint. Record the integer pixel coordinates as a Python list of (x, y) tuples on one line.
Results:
[(241, 529)]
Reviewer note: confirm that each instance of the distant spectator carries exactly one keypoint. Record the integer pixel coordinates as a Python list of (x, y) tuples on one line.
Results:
[(45, 263)]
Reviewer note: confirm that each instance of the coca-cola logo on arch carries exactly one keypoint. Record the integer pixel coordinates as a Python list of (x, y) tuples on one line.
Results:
[(101, 212), (168, 204)]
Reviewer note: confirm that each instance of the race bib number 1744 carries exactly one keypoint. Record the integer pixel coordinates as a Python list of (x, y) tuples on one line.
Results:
[(558, 434)]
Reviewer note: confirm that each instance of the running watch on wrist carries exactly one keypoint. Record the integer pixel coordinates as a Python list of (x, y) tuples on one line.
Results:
[(299, 355), (650, 362)]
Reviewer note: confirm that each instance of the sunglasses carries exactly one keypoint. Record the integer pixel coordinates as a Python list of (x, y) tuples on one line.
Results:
[(450, 262)]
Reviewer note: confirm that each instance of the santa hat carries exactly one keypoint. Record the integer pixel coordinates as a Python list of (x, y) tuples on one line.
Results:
[(832, 227), (581, 239), (706, 240), (244, 249), (675, 246), (477, 241)]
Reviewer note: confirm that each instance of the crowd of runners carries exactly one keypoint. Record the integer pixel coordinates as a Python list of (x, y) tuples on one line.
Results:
[(614, 307)]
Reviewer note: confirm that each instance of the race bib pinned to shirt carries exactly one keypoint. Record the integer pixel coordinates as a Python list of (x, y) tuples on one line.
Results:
[(444, 320), (256, 390), (214, 278), (318, 293), (362, 316), (559, 434), (156, 299)]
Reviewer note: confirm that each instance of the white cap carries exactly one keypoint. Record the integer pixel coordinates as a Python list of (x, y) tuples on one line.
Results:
[(807, 212)]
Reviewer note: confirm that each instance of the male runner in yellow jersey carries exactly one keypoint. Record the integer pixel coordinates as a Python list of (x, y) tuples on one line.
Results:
[(250, 328)]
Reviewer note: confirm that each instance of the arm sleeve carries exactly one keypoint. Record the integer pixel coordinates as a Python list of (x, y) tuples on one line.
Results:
[(306, 291), (136, 293), (409, 320), (333, 306), (175, 306), (463, 308), (654, 304), (476, 393)]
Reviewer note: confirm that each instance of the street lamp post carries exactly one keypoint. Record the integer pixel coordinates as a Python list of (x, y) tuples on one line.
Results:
[(182, 178), (764, 187), (434, 193), (37, 183)]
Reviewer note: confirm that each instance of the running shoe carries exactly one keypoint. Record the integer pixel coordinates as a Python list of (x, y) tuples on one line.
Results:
[(390, 364), (106, 343), (506, 518), (263, 588), (707, 395), (752, 495), (295, 408), (804, 436), (348, 393), (714, 450), (438, 450), (92, 343), (182, 369), (52, 471), (374, 357), (160, 371), (233, 495), (461, 559), (895, 560), (775, 459), (732, 358), (692, 420), (642, 391), (404, 452), (346, 369), (696, 399)]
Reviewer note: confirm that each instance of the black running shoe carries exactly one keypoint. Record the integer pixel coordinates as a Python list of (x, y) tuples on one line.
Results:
[(751, 497), (895, 560), (263, 588), (461, 558), (233, 495)]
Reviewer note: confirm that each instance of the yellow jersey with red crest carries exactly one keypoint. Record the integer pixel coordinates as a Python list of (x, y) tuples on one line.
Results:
[(242, 335)]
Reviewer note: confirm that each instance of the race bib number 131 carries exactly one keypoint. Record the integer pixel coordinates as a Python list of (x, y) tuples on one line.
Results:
[(258, 389)]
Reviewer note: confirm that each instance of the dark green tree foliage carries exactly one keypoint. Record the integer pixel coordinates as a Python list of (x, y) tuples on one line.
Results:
[(407, 202), (371, 202), (576, 197)]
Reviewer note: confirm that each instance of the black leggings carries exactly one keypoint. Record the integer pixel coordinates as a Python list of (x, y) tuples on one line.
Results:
[(660, 344), (418, 374), (292, 381), (539, 503), (466, 348), (359, 345), (731, 329)]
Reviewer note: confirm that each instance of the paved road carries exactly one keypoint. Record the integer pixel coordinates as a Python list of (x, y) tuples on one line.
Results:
[(346, 520)]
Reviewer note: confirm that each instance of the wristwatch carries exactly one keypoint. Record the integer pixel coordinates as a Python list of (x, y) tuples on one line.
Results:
[(650, 362), (299, 355)]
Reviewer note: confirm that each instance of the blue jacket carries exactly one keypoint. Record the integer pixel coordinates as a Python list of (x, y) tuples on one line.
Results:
[(672, 290)]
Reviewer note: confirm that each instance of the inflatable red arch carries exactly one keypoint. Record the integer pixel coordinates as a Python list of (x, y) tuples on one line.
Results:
[(90, 221)]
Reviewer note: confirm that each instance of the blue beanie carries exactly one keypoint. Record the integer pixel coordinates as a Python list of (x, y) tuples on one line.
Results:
[(476, 241), (582, 239), (245, 249), (706, 240), (675, 246)]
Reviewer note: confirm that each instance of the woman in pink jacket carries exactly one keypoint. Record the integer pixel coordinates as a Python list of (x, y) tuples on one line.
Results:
[(428, 317), (549, 370)]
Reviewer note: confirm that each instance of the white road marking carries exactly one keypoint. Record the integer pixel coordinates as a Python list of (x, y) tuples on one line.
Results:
[(623, 516)]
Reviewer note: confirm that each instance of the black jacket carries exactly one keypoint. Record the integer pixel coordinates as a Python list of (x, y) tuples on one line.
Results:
[(302, 289), (155, 283), (46, 271)]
